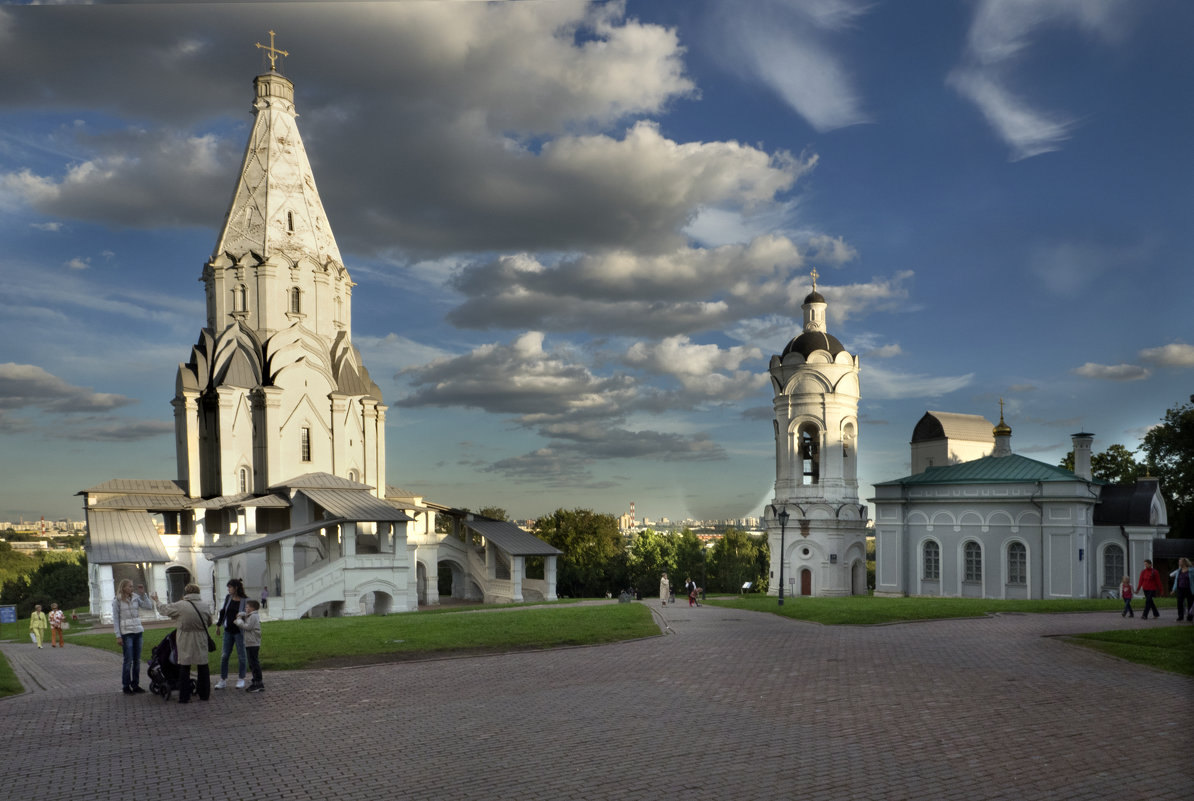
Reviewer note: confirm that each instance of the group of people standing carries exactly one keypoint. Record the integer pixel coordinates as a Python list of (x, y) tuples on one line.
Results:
[(238, 618), (1149, 584), (690, 588), (55, 621)]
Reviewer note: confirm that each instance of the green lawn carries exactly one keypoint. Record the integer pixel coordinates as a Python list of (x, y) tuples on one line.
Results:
[(293, 644), (869, 610), (1170, 648)]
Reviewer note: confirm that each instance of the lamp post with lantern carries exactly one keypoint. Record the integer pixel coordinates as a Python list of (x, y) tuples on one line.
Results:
[(782, 517)]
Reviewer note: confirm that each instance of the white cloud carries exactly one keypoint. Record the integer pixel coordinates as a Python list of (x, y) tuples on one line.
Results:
[(1000, 33), (883, 384), (1109, 372), (27, 385), (78, 264), (1175, 354), (787, 46), (706, 371)]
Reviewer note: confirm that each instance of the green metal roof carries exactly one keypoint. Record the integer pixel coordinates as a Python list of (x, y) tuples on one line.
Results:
[(989, 470)]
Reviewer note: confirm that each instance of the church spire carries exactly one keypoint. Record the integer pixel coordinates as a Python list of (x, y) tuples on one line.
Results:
[(275, 206)]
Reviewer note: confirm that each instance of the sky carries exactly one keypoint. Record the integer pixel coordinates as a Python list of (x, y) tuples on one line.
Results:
[(578, 232)]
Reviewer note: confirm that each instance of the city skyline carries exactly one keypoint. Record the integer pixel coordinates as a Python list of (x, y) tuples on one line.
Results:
[(579, 232)]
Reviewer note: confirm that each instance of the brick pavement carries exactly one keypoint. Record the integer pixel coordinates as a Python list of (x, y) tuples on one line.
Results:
[(733, 705)]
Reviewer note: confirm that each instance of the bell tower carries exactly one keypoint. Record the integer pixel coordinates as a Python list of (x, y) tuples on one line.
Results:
[(820, 549)]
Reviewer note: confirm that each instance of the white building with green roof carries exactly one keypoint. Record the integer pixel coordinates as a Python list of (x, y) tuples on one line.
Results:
[(1006, 526)]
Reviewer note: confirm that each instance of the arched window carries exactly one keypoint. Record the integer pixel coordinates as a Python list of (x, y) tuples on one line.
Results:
[(972, 555), (290, 221), (296, 300), (305, 445), (1113, 566), (808, 443), (353, 475), (243, 479), (1017, 563), (238, 298), (932, 561)]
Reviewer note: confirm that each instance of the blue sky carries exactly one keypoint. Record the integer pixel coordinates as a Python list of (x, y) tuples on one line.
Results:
[(578, 232)]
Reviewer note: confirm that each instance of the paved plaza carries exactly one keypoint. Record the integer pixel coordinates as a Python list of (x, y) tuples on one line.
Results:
[(727, 705)]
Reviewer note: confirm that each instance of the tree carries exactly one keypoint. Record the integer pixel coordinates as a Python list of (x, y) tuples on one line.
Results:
[(1115, 465), (651, 555), (493, 513), (61, 581), (734, 561), (1169, 453), (594, 561)]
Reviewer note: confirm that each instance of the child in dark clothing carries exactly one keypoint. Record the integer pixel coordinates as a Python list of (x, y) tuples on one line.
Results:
[(249, 623)]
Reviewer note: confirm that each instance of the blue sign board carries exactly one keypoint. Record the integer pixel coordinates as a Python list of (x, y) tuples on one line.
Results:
[(8, 614)]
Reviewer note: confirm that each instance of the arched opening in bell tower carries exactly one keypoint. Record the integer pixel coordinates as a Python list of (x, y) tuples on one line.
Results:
[(808, 443)]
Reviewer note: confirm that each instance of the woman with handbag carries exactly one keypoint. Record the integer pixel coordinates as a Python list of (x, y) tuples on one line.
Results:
[(193, 618)]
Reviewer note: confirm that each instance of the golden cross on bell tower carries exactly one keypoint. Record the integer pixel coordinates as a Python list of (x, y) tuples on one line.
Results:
[(272, 52), (814, 275)]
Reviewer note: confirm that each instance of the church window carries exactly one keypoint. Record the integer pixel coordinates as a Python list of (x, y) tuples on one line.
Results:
[(932, 561), (296, 300), (306, 445), (1113, 566), (1017, 563), (238, 298), (353, 475), (243, 479), (290, 221), (973, 558), (808, 442)]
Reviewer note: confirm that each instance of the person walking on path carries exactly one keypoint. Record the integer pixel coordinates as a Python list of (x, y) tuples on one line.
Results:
[(126, 623), (193, 618), (234, 604), (250, 625), (1125, 592), (56, 621), (665, 588), (37, 625), (1182, 589), (1150, 584)]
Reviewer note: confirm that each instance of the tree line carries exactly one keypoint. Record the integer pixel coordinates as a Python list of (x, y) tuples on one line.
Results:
[(598, 559), (43, 577)]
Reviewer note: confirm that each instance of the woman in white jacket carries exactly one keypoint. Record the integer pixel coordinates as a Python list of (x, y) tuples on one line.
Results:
[(126, 622)]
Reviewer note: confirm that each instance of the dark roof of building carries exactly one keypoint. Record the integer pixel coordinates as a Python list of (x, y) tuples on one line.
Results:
[(1127, 504), (355, 504), (814, 297), (811, 341), (511, 539), (989, 470)]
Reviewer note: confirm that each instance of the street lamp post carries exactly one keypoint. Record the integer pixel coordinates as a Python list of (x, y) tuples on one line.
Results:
[(782, 516)]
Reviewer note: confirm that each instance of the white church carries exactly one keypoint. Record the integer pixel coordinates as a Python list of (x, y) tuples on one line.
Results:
[(816, 528), (280, 435), (975, 520)]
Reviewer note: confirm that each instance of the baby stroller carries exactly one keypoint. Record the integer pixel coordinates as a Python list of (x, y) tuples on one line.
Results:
[(164, 671)]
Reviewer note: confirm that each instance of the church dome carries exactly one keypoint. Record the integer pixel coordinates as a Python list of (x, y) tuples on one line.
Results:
[(810, 341), (814, 297)]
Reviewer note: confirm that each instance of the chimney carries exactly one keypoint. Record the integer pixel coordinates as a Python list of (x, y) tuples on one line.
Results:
[(1082, 442)]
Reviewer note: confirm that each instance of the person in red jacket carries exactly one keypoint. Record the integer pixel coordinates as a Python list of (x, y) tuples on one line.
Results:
[(1150, 584)]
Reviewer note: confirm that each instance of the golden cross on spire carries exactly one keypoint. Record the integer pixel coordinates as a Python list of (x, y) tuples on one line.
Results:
[(272, 52), (814, 274)]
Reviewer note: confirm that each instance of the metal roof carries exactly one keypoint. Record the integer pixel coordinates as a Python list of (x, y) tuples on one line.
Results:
[(948, 425), (355, 504), (320, 481), (511, 539), (242, 500), (261, 542), (158, 503), (142, 486), (989, 470), (1127, 504), (123, 536)]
